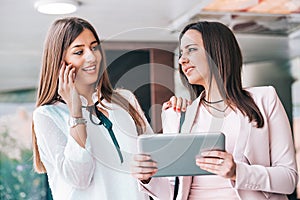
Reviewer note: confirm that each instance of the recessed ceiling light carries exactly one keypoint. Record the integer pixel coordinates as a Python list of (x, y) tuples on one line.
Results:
[(56, 7)]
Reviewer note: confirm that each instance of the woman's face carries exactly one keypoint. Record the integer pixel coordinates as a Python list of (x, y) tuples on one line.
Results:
[(193, 58), (84, 54)]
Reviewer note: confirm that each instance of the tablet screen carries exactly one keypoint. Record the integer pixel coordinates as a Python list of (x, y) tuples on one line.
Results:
[(175, 153)]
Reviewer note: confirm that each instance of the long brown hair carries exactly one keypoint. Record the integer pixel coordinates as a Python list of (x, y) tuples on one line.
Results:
[(60, 36), (225, 56)]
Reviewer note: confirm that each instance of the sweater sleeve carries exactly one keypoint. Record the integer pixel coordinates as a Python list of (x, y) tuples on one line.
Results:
[(60, 153), (157, 188)]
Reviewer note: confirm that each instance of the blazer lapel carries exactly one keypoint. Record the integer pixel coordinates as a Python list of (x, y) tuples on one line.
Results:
[(242, 138), (184, 187), (190, 116), (186, 181)]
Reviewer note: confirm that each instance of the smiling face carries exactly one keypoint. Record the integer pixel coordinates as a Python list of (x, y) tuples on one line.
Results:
[(193, 58), (85, 56)]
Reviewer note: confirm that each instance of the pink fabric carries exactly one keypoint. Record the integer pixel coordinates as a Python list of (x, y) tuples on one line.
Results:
[(211, 186), (265, 157)]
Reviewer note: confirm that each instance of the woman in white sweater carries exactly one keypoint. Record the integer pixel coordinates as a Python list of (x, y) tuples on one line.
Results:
[(84, 131)]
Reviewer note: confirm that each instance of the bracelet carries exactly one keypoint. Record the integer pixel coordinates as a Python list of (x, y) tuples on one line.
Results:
[(76, 121)]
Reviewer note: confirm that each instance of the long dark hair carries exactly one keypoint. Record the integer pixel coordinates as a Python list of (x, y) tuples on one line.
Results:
[(60, 36), (225, 62)]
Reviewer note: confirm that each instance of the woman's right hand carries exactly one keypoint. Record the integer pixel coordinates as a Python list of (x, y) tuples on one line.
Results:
[(179, 104), (143, 167), (67, 90)]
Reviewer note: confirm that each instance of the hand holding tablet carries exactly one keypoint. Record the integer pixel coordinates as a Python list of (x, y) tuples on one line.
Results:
[(175, 154)]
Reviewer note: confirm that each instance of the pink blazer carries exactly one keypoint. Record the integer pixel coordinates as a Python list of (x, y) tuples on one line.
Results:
[(265, 157)]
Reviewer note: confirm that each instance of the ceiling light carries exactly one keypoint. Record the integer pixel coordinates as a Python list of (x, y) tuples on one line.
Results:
[(56, 7)]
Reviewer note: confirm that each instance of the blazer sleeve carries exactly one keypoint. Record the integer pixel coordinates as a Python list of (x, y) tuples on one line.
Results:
[(279, 172), (170, 121), (158, 188)]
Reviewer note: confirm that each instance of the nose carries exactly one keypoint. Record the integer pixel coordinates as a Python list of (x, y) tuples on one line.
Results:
[(183, 59), (90, 56)]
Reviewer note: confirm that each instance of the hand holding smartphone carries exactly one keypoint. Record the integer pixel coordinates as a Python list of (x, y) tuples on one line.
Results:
[(67, 89)]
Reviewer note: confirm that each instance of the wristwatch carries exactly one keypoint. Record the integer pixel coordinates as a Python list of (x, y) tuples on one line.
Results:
[(75, 121)]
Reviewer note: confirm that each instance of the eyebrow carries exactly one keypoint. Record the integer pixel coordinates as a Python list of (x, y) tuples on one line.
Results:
[(187, 46), (81, 45)]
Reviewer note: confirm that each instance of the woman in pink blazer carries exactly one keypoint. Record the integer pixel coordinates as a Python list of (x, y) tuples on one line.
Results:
[(259, 157)]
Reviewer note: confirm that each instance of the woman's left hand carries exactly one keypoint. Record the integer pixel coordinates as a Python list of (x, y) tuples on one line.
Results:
[(218, 162)]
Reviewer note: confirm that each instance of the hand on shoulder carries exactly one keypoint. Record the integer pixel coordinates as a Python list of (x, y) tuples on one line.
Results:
[(178, 104)]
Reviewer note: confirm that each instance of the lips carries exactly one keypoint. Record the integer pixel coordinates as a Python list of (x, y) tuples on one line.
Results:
[(188, 69), (90, 68)]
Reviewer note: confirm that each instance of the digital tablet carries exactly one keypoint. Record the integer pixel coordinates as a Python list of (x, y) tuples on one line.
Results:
[(175, 153)]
